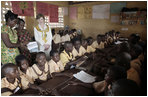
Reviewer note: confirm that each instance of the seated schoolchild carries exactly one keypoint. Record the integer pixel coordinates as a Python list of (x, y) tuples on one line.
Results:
[(90, 49), (65, 36), (113, 74), (40, 70), (67, 57), (124, 87), (123, 59), (117, 35), (13, 81), (56, 38), (78, 50), (135, 52), (96, 44)]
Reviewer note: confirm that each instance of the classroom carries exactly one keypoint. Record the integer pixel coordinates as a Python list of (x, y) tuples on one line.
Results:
[(73, 48)]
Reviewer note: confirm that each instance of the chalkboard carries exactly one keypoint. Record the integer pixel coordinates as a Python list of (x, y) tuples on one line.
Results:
[(117, 7)]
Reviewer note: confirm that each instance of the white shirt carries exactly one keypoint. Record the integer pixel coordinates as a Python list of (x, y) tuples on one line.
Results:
[(38, 37), (57, 38), (65, 38)]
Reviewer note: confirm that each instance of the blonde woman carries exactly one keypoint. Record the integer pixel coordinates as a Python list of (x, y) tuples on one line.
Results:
[(43, 35)]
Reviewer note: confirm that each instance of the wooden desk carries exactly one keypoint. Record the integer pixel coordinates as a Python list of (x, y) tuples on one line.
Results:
[(64, 88)]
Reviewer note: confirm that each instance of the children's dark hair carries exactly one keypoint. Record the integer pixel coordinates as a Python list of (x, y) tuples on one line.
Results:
[(117, 32), (125, 87), (20, 20), (76, 39), (124, 47), (40, 53), (10, 15), (137, 49), (118, 72), (52, 52), (7, 66), (66, 43), (123, 59), (19, 58)]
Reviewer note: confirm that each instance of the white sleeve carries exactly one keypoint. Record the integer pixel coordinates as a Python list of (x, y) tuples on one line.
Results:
[(49, 37), (37, 38)]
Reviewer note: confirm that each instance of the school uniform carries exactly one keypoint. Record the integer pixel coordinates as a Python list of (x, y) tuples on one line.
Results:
[(56, 67), (110, 39), (136, 64), (65, 38), (38, 74), (27, 75), (57, 38), (9, 86), (99, 46), (81, 52), (90, 49), (141, 57), (65, 58), (132, 74), (100, 86)]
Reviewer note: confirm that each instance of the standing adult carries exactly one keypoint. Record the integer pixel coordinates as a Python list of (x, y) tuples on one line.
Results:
[(23, 36), (43, 35), (9, 42)]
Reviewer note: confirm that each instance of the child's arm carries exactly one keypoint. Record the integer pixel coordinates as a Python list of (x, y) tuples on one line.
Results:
[(81, 84), (33, 86), (61, 74)]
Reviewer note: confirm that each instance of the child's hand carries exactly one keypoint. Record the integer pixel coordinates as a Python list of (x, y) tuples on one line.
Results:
[(42, 91)]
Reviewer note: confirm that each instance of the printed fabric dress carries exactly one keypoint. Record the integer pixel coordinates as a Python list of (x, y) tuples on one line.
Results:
[(8, 54), (23, 37)]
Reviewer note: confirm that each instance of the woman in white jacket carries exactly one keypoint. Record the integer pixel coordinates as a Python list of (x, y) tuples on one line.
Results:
[(43, 35)]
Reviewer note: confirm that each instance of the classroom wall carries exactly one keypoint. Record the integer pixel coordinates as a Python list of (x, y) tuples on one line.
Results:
[(92, 27), (31, 21)]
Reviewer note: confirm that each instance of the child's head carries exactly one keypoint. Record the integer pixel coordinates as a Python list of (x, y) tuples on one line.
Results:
[(115, 73), (117, 34), (134, 38), (124, 87), (84, 43), (103, 38), (98, 38), (22, 62), (135, 51), (10, 71), (68, 46), (123, 59), (124, 47), (55, 55), (41, 58), (89, 40), (77, 43)]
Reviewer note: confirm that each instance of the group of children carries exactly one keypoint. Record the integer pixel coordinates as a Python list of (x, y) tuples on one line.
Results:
[(118, 64)]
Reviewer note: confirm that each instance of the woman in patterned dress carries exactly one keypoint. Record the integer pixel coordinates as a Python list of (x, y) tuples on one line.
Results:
[(23, 36), (9, 44)]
